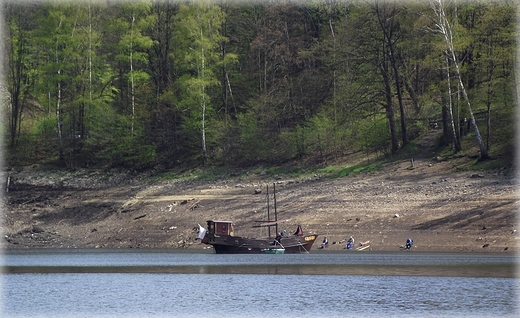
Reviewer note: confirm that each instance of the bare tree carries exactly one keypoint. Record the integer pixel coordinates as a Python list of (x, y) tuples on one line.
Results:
[(387, 17)]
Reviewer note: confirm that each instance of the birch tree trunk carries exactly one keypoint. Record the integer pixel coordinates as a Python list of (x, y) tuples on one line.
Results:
[(132, 89), (456, 140), (58, 101), (445, 29), (89, 58), (203, 105), (333, 71)]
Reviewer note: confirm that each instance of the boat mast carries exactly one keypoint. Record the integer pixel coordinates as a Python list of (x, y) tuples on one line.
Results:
[(268, 216), (275, 214)]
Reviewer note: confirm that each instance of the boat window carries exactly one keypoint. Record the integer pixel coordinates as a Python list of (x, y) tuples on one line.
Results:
[(223, 228)]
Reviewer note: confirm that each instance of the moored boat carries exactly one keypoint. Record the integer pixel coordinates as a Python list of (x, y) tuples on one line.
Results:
[(221, 235)]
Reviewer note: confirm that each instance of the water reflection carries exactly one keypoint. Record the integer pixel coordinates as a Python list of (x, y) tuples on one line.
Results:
[(163, 261)]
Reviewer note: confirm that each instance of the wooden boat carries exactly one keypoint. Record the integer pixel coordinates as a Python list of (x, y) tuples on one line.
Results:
[(220, 234)]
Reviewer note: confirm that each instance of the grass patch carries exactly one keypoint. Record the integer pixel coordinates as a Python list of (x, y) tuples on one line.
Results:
[(292, 171), (490, 164), (205, 173), (340, 171), (213, 173), (166, 176)]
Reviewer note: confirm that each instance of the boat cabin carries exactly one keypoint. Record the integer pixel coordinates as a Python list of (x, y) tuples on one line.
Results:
[(220, 227)]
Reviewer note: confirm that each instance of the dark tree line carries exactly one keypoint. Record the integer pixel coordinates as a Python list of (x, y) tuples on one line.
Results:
[(164, 82)]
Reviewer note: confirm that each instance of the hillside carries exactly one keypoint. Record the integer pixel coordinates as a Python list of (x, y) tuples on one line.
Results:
[(440, 208)]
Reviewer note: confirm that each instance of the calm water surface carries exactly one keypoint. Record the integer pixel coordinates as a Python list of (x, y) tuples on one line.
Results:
[(140, 283)]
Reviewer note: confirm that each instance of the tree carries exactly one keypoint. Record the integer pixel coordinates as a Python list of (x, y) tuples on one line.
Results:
[(455, 136), (19, 75), (55, 41), (493, 37), (331, 69), (372, 51), (387, 15), (198, 36), (165, 117), (444, 28), (133, 47)]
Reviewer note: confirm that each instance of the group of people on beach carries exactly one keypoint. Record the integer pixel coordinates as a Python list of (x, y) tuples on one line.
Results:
[(350, 243)]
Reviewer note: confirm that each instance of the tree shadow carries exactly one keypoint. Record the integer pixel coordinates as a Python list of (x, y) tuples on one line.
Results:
[(78, 215), (492, 213)]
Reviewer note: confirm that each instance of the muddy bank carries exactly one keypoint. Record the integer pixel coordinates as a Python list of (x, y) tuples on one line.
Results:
[(443, 211)]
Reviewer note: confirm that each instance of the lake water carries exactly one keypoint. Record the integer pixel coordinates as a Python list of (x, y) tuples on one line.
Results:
[(162, 283)]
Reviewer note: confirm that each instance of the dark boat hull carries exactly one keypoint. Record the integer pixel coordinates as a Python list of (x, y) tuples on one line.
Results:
[(238, 245)]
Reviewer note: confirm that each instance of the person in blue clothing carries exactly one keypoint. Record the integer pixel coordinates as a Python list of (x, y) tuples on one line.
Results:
[(325, 242), (409, 243), (350, 243)]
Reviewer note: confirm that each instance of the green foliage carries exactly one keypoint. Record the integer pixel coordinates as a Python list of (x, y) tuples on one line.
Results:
[(497, 164), (253, 144), (373, 135), (119, 147), (322, 135), (45, 126), (416, 128), (166, 83), (197, 35), (131, 152)]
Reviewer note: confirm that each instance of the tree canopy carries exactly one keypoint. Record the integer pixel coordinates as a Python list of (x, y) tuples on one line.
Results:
[(161, 82)]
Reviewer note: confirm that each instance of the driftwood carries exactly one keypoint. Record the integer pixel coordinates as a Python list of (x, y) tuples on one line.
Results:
[(193, 206)]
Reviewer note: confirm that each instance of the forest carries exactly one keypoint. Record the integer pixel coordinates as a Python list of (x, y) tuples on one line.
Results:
[(162, 83)]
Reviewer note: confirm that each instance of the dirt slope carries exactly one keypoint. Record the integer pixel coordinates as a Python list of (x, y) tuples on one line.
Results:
[(440, 209)]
